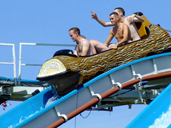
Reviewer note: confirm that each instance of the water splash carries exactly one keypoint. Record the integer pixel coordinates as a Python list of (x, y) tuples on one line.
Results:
[(23, 118), (52, 100), (163, 121)]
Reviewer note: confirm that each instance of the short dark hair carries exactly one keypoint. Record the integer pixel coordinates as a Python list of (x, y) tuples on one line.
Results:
[(75, 30), (114, 13), (120, 10)]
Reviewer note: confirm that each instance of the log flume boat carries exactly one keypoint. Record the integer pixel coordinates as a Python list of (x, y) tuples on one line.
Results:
[(66, 71)]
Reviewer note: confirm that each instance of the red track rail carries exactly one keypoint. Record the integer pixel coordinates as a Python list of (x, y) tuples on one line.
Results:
[(106, 94)]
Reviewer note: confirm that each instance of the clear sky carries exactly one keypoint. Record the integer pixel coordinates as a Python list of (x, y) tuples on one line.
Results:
[(48, 21)]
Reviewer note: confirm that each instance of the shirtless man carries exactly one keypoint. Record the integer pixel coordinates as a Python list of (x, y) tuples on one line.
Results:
[(83, 47), (120, 32), (130, 21)]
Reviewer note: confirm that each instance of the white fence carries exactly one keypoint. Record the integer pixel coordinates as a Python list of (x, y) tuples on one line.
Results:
[(13, 61)]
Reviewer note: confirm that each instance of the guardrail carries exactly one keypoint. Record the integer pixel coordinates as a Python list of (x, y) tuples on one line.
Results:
[(34, 44), (13, 61), (168, 30)]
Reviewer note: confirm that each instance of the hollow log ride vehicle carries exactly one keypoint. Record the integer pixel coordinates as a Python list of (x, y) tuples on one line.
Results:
[(65, 71)]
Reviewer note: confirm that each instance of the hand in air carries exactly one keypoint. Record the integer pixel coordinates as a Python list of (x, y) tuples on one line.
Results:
[(93, 15)]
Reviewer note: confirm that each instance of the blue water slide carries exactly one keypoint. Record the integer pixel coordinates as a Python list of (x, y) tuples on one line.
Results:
[(157, 114), (25, 110), (32, 113)]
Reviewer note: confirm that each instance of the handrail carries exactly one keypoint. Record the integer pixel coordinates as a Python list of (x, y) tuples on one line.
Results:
[(13, 61), (34, 44), (168, 30), (106, 94)]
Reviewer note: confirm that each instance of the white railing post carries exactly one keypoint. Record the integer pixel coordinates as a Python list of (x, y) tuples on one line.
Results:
[(13, 60), (14, 67), (19, 69)]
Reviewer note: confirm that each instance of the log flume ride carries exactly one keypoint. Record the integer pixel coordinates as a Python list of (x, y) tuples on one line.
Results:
[(65, 70), (130, 81)]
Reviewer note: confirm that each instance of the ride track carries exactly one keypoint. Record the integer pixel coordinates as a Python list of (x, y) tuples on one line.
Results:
[(121, 82), (99, 88), (121, 75), (107, 94)]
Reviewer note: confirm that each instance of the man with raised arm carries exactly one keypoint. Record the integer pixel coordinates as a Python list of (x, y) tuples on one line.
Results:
[(130, 21), (120, 32)]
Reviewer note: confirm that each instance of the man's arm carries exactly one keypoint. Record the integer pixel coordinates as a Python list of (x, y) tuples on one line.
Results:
[(85, 48), (135, 18), (109, 38), (75, 52), (103, 23)]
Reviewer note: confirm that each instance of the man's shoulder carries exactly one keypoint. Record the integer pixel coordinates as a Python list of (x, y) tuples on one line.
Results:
[(128, 19), (85, 42), (124, 24)]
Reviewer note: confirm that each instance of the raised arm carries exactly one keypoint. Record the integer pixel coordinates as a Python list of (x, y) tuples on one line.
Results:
[(103, 23), (109, 38), (135, 18)]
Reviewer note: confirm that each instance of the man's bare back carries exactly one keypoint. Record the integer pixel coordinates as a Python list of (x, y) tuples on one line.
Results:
[(133, 29)]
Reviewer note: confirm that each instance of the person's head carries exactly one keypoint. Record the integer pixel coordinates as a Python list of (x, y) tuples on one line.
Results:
[(120, 11), (74, 33), (114, 18)]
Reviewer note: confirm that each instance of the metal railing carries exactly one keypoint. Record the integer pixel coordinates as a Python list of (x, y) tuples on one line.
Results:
[(34, 44), (168, 30), (13, 61)]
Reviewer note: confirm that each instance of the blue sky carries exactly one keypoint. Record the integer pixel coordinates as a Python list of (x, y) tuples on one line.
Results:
[(48, 21)]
